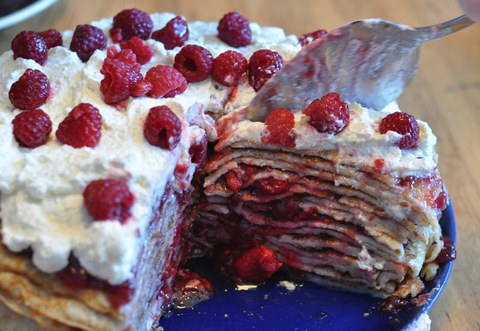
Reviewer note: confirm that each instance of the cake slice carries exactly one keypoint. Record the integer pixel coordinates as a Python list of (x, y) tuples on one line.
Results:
[(345, 197)]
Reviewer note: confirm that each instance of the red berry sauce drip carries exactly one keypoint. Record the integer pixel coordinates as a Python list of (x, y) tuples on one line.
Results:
[(76, 278), (229, 67), (441, 201), (87, 39), (404, 124), (279, 124), (263, 64), (174, 34), (234, 29), (307, 38), (194, 62), (30, 91), (108, 199), (131, 23), (328, 114), (81, 128), (256, 265), (162, 128), (166, 82), (30, 45), (31, 128), (448, 252), (143, 51), (198, 153), (121, 71), (52, 38)]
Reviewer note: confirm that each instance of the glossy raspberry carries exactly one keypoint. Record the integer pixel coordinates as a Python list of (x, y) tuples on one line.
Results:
[(228, 67), (132, 23), (194, 62), (233, 180), (119, 77), (328, 114), (87, 39), (404, 124), (162, 128), (140, 88), (166, 81), (256, 265), (81, 128), (30, 91), (263, 64), (174, 34), (31, 128), (108, 199), (30, 45), (307, 38), (198, 153), (279, 124), (234, 29), (142, 51), (52, 38)]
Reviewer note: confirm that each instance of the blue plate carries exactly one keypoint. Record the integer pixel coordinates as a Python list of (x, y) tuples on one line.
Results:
[(308, 307)]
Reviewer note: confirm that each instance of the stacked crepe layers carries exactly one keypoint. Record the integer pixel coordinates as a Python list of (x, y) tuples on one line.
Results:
[(330, 215)]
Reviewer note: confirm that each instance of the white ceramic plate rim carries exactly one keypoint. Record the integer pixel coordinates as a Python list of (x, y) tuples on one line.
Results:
[(25, 13)]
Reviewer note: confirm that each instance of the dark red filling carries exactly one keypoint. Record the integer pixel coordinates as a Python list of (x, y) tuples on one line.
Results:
[(75, 277)]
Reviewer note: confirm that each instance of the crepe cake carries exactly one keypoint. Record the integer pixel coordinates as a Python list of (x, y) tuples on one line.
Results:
[(104, 129)]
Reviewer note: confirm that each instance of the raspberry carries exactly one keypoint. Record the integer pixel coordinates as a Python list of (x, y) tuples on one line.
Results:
[(233, 180), (52, 38), (31, 128), (328, 114), (30, 45), (263, 64), (87, 39), (174, 34), (228, 67), (162, 128), (194, 62), (404, 124), (30, 91), (307, 38), (132, 23), (119, 77), (198, 153), (279, 124), (448, 252), (271, 185), (256, 264), (140, 88), (142, 51), (167, 81), (127, 56), (108, 199), (234, 29), (81, 128)]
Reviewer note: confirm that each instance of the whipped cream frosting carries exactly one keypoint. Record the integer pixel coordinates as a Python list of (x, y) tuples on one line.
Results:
[(359, 144), (41, 189)]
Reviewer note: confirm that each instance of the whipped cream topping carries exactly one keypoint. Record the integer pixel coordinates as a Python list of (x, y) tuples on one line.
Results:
[(41, 189), (359, 144)]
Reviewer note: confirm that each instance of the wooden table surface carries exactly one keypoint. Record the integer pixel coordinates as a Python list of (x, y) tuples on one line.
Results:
[(445, 93)]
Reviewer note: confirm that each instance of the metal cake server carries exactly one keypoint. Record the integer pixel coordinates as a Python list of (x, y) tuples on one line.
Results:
[(369, 61)]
